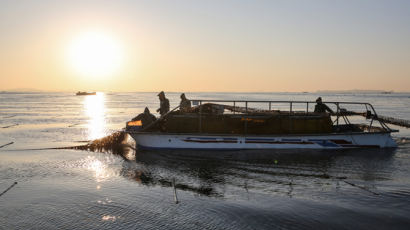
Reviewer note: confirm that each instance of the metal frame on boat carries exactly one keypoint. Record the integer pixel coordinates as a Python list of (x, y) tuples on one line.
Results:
[(250, 128)]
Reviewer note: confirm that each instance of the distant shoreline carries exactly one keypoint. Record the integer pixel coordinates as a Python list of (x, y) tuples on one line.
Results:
[(247, 92)]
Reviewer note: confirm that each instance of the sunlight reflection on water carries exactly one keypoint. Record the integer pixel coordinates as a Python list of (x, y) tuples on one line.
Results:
[(98, 167), (109, 218), (94, 106)]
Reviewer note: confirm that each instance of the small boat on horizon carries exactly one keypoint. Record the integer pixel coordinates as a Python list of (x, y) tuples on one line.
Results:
[(79, 93), (222, 125), (387, 92)]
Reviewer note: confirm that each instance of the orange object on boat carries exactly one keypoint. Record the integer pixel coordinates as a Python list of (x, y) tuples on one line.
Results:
[(134, 123)]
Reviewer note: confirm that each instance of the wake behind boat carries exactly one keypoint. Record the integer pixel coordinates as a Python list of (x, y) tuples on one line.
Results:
[(223, 125)]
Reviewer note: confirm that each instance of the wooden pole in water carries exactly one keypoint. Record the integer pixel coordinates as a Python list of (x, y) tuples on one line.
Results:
[(175, 191)]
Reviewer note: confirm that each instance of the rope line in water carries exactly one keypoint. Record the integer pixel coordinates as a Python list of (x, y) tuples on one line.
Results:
[(361, 187), (6, 144), (8, 188), (10, 116), (8, 126)]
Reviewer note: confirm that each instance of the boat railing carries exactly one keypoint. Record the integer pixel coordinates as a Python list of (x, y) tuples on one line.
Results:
[(341, 113)]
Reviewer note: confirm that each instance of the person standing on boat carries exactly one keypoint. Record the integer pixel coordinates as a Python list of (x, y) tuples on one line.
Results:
[(163, 103), (185, 104), (320, 107)]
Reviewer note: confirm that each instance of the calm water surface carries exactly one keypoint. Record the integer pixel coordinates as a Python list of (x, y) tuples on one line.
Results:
[(68, 189)]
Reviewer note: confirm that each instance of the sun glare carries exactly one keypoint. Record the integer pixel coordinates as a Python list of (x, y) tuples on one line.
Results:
[(95, 110), (95, 54)]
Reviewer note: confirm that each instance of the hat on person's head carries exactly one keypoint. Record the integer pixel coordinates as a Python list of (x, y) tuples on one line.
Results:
[(319, 99), (162, 92)]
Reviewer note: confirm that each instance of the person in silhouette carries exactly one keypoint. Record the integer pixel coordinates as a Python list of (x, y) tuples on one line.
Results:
[(185, 104), (320, 107), (146, 117), (163, 103)]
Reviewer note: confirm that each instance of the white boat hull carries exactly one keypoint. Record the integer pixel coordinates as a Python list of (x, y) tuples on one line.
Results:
[(236, 142)]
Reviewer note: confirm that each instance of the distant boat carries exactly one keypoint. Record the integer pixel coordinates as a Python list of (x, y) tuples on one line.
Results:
[(387, 92), (79, 93)]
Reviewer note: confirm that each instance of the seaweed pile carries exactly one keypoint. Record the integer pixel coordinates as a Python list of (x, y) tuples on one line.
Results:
[(116, 143)]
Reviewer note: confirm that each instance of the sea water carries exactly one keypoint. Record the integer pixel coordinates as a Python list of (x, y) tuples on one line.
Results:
[(286, 189)]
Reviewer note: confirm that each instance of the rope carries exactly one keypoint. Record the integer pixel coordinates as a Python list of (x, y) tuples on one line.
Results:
[(8, 188), (6, 144)]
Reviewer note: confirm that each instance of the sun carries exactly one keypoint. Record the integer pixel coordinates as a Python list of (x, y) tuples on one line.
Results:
[(95, 54)]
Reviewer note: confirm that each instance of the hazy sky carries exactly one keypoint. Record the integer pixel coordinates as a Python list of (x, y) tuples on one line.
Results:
[(206, 45)]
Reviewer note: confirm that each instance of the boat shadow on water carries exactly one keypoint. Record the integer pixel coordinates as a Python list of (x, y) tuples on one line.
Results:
[(231, 173)]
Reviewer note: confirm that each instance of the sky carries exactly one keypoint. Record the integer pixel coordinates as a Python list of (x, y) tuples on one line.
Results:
[(189, 46)]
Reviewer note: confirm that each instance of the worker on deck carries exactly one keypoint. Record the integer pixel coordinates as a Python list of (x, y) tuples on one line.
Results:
[(163, 103), (185, 104), (320, 107), (146, 118)]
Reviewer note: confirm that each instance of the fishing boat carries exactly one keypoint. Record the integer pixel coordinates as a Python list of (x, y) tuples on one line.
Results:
[(235, 125), (79, 93)]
